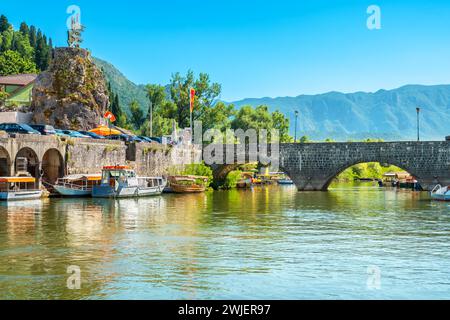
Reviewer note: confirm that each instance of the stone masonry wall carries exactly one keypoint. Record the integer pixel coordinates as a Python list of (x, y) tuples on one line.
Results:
[(155, 159), (90, 156)]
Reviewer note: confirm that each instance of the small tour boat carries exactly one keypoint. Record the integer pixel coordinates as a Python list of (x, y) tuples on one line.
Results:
[(441, 193), (285, 181), (19, 188), (79, 185), (246, 180), (122, 182), (188, 184)]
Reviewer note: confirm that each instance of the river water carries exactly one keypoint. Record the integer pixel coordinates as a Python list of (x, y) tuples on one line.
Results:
[(353, 242)]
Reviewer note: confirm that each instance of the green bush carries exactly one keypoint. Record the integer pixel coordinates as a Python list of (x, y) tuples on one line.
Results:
[(232, 180), (201, 170)]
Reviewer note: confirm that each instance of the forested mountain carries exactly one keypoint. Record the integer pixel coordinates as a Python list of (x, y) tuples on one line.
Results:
[(126, 90)]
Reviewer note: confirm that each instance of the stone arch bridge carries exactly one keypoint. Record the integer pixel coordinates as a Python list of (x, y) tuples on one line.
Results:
[(45, 156), (314, 166)]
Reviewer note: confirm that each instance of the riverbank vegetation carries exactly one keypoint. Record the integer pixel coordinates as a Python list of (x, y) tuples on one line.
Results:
[(371, 170)]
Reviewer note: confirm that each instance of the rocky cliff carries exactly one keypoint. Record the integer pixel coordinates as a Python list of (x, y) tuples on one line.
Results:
[(72, 94)]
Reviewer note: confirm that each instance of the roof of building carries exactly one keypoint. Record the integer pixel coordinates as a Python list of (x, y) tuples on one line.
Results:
[(19, 79)]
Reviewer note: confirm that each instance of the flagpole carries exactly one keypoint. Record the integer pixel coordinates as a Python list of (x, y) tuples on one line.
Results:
[(192, 127)]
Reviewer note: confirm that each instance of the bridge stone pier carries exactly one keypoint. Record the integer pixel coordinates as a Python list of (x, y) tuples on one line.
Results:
[(313, 166)]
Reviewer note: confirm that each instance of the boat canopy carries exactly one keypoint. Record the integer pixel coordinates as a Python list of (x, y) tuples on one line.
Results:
[(88, 177), (117, 168), (17, 180)]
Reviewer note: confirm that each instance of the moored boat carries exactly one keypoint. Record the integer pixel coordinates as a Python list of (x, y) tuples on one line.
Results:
[(77, 185), (246, 180), (441, 193), (188, 184), (285, 181), (19, 188), (122, 182)]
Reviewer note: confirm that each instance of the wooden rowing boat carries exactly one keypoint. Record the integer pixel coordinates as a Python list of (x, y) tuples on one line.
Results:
[(188, 184)]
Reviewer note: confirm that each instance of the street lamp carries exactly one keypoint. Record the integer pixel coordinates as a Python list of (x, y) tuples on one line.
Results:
[(296, 122), (418, 124)]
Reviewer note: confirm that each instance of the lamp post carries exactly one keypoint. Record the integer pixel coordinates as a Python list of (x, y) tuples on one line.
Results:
[(151, 118), (296, 123), (418, 124)]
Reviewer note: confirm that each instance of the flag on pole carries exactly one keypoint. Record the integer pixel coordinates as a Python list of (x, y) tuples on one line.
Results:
[(192, 99), (108, 115)]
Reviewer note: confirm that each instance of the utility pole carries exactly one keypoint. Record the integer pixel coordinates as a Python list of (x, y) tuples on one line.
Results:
[(418, 124), (296, 124)]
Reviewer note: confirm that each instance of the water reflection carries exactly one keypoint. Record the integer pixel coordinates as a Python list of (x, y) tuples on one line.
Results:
[(266, 243)]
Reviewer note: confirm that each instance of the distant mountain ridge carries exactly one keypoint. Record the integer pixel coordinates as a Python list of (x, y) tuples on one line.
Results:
[(387, 114)]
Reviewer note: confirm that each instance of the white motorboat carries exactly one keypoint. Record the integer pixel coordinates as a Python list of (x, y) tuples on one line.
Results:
[(122, 182), (441, 193)]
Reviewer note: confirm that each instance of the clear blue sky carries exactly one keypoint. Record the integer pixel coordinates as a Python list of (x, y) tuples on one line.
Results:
[(257, 48)]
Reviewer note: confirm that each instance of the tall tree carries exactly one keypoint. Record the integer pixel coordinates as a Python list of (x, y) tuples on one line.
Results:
[(260, 118), (33, 36), (206, 95), (24, 29), (137, 115), (4, 23)]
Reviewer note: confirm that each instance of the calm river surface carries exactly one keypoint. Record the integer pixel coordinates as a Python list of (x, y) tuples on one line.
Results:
[(269, 243)]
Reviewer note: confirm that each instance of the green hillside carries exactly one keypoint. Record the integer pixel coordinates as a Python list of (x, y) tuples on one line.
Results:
[(127, 90)]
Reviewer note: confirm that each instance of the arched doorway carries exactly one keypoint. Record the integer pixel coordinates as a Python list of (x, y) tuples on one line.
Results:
[(5, 163), (52, 166), (27, 161)]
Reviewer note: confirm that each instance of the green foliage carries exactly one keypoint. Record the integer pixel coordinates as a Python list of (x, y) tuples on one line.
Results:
[(201, 170), (305, 139), (163, 110), (32, 51), (232, 180), (137, 115), (206, 94), (3, 95), (126, 90), (370, 170), (11, 62), (260, 118)]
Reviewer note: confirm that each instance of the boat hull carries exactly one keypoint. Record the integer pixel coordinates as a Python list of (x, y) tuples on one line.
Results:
[(440, 197), (285, 182), (126, 192), (20, 195), (185, 189), (67, 192)]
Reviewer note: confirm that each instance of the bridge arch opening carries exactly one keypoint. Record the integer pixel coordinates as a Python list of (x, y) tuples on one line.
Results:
[(27, 161), (369, 171), (52, 166), (5, 163)]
